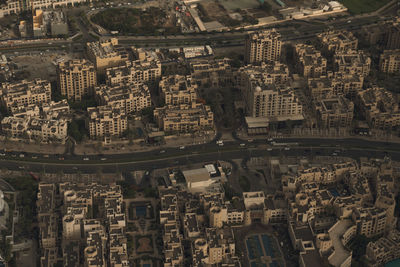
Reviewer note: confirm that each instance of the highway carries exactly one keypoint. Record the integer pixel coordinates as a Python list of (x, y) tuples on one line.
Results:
[(161, 158)]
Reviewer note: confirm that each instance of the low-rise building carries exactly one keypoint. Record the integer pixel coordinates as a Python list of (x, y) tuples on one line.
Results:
[(184, 118), (131, 98), (380, 108), (176, 90), (106, 54), (17, 95), (390, 61), (384, 250), (311, 63), (106, 121), (335, 112), (53, 23), (352, 62), (212, 73), (370, 222), (338, 41)]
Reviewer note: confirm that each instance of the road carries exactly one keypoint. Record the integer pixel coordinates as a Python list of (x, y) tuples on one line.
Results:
[(161, 158)]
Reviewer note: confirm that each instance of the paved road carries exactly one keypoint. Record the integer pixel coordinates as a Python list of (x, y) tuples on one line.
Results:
[(354, 148)]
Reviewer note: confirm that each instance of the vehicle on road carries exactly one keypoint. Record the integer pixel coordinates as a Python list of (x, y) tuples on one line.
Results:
[(2, 154), (34, 157), (86, 158), (182, 147), (60, 158), (242, 144), (21, 155), (287, 148), (162, 151), (220, 143), (270, 139), (103, 159), (46, 156), (269, 149)]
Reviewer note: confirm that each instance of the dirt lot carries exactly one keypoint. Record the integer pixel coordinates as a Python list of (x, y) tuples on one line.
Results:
[(40, 66)]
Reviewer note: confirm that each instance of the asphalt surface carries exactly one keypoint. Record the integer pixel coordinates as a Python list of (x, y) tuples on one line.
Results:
[(162, 158)]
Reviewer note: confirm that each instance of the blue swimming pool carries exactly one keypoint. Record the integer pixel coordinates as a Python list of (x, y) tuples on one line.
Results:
[(141, 211), (267, 245), (334, 192)]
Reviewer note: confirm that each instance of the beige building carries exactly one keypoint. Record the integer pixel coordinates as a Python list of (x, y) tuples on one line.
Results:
[(352, 62), (335, 112), (384, 250), (106, 121), (76, 78), (176, 90), (147, 71), (370, 221), (390, 61), (310, 61), (131, 98), (212, 73), (263, 46), (15, 96), (185, 118), (106, 54), (265, 97), (339, 41), (380, 108)]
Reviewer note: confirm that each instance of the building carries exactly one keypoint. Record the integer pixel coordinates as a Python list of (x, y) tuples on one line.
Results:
[(265, 97), (380, 108), (76, 78), (199, 180), (33, 128), (370, 222), (352, 62), (131, 98), (15, 6), (176, 90), (384, 250), (310, 61), (23, 29), (106, 121), (17, 95), (53, 23), (184, 118), (263, 46), (106, 54), (212, 73), (335, 112), (338, 41), (392, 36), (272, 73), (390, 61), (146, 71)]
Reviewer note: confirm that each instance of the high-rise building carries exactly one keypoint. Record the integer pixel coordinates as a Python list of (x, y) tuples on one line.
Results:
[(263, 46), (335, 112), (390, 61), (76, 78), (106, 121), (311, 62)]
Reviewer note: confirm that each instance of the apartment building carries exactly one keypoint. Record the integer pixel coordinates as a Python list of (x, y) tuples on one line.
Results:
[(272, 73), (51, 23), (380, 108), (390, 61), (392, 36), (212, 73), (146, 71), (263, 98), (17, 95), (370, 222), (352, 62), (34, 128), (310, 61), (16, 6), (338, 41), (76, 78), (335, 112), (106, 121), (178, 89), (263, 46), (106, 54), (384, 250), (184, 118), (131, 98)]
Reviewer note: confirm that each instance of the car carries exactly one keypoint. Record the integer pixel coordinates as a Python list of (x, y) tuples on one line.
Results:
[(86, 158), (269, 149), (334, 154), (21, 155), (250, 140), (21, 167), (287, 148), (162, 151), (34, 157), (147, 173), (182, 147), (242, 144), (2, 154), (60, 158), (103, 159), (46, 156), (270, 139), (13, 155)]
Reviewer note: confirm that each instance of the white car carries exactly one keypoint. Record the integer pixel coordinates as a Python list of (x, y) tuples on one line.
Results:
[(103, 159), (269, 149), (2, 154), (21, 155), (86, 158), (182, 147), (287, 148)]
